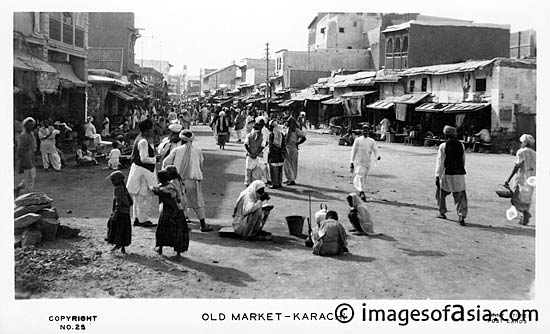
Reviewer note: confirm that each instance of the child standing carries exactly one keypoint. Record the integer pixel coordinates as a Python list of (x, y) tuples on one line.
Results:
[(181, 198), (114, 157), (119, 227), (170, 230)]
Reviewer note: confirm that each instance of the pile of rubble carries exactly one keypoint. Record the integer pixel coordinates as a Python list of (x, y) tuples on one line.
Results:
[(35, 219)]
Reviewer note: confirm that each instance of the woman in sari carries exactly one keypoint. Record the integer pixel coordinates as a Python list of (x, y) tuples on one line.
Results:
[(294, 138)]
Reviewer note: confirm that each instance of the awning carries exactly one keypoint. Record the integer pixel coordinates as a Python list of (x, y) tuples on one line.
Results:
[(357, 94), (67, 75), (382, 104), (121, 95), (93, 78), (410, 98), (451, 108), (286, 103), (318, 97), (336, 100), (26, 63), (134, 95)]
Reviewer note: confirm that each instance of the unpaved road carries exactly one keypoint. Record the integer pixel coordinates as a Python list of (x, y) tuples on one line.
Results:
[(417, 257)]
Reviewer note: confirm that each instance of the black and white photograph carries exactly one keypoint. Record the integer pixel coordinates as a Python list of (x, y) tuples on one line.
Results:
[(243, 153)]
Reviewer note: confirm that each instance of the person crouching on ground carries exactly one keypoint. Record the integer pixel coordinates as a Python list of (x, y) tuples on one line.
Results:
[(249, 214), (114, 157), (359, 216), (329, 238), (119, 226), (450, 175), (362, 151), (171, 230), (524, 168)]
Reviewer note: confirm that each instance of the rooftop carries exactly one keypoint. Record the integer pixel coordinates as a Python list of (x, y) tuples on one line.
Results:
[(454, 23)]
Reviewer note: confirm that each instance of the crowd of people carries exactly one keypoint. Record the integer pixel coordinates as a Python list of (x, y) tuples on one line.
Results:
[(271, 145)]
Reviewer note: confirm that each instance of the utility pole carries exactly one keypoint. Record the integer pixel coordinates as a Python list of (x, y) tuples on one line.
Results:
[(267, 88)]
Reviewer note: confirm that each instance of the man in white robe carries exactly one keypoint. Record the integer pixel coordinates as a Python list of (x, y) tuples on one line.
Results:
[(50, 156), (362, 151), (142, 177)]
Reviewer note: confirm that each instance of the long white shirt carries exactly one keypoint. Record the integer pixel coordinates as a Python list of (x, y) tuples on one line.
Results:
[(195, 164), (89, 130), (47, 139), (361, 153), (141, 180)]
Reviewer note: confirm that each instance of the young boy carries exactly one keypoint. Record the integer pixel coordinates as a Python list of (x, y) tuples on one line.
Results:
[(114, 157)]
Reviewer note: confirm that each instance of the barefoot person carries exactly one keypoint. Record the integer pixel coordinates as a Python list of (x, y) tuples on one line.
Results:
[(119, 227), (141, 178), (188, 160), (249, 215), (524, 168), (329, 238)]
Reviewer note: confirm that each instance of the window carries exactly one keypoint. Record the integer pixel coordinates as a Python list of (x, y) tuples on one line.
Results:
[(341, 29), (62, 28), (411, 86), (322, 30), (424, 85), (55, 29), (405, 46), (397, 47), (389, 47), (354, 24), (481, 85)]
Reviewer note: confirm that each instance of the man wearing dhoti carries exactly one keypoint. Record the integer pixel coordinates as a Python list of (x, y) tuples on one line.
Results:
[(362, 151)]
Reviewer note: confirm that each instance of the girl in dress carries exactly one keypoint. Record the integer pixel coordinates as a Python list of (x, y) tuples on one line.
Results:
[(171, 231), (119, 227)]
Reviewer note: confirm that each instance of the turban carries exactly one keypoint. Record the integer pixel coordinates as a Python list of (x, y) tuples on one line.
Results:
[(187, 135), (221, 114), (366, 126), (527, 139), (449, 130), (28, 119), (175, 127)]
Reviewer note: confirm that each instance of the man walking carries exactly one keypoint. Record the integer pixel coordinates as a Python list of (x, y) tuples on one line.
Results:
[(449, 175), (362, 151), (47, 134), (239, 124)]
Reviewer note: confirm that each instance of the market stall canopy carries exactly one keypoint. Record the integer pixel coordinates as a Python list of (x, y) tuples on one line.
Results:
[(93, 78), (122, 95), (27, 63), (286, 103), (467, 66), (382, 104), (318, 97), (451, 108), (358, 94), (336, 100), (410, 98), (67, 75)]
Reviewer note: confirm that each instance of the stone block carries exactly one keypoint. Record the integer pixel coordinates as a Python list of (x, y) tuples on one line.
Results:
[(48, 228), (23, 210), (26, 220), (34, 198), (49, 213), (31, 238)]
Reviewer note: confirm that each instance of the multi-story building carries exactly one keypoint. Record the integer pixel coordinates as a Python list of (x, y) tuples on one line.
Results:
[(422, 43), (523, 44), (50, 65), (162, 66), (254, 71), (175, 82), (223, 78)]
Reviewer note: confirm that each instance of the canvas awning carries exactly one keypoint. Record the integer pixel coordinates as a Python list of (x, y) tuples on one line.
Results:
[(94, 78), (67, 75), (410, 98), (122, 95), (286, 103), (27, 63), (382, 104), (336, 100), (357, 94), (451, 108), (317, 97)]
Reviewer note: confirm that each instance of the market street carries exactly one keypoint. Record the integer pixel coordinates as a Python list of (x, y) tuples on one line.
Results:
[(417, 257)]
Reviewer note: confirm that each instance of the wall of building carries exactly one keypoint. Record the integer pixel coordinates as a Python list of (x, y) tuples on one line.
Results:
[(332, 38), (112, 30), (390, 89), (523, 44), (323, 60), (300, 79), (224, 77), (432, 45), (514, 91)]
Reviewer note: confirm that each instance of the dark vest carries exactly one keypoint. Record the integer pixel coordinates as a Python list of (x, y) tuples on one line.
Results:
[(454, 165), (136, 159)]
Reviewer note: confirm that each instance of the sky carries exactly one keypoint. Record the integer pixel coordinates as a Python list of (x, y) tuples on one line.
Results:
[(213, 34)]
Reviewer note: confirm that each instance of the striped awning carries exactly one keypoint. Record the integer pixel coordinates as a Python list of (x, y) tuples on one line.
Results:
[(336, 100), (451, 108), (286, 103), (357, 94), (410, 98), (122, 95)]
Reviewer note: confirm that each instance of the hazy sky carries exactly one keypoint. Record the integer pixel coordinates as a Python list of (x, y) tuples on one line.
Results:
[(212, 34)]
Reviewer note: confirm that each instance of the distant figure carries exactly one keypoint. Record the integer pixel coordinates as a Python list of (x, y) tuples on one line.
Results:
[(384, 127), (524, 168), (222, 129), (484, 136), (330, 237), (84, 155), (106, 124), (50, 155), (301, 121), (90, 132), (450, 175), (24, 164), (239, 124), (114, 157), (294, 138), (364, 149), (119, 227), (276, 154), (254, 149)]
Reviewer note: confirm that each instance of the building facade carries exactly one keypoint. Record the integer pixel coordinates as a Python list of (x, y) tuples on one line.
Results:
[(223, 78), (523, 44)]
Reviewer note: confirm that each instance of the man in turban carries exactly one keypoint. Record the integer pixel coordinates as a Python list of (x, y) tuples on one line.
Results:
[(363, 150), (525, 168), (450, 175)]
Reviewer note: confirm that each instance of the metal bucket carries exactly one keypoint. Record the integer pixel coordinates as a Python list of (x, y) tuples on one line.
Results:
[(295, 225)]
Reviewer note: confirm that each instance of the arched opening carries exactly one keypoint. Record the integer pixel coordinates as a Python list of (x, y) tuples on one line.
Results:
[(389, 47), (405, 46)]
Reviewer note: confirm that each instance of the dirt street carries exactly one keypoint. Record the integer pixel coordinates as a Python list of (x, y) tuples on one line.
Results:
[(417, 257)]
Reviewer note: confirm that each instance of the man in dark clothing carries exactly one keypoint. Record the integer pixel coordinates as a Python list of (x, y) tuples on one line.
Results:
[(450, 175)]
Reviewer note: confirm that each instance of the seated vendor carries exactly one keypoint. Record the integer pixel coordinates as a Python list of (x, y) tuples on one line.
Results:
[(484, 136), (249, 215), (330, 237), (83, 155)]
